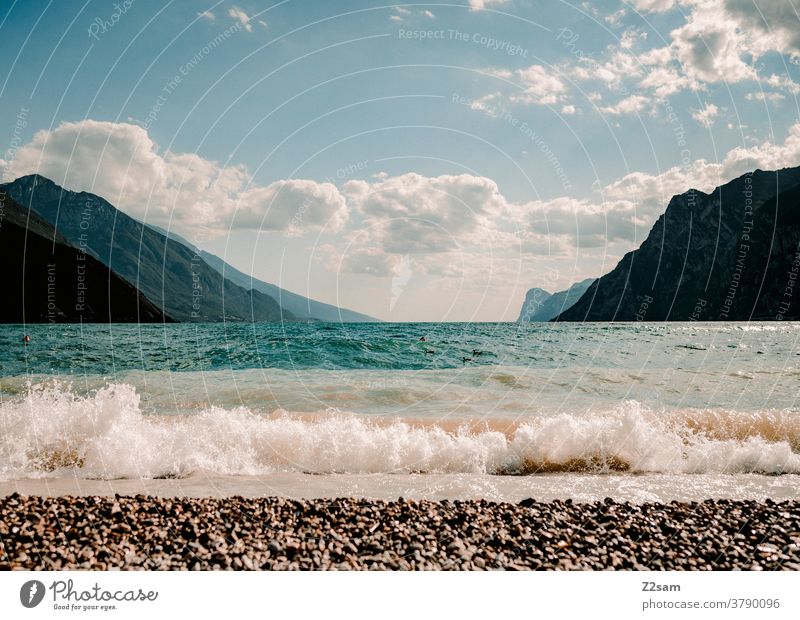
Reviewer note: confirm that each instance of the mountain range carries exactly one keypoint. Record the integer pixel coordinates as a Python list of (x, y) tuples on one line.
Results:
[(172, 275), (733, 254), (301, 307)]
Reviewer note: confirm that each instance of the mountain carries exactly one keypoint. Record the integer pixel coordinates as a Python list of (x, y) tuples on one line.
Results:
[(733, 254), (48, 281), (541, 305), (301, 307), (167, 272)]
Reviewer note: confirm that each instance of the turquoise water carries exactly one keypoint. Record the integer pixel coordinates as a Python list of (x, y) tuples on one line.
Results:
[(130, 401), (104, 349)]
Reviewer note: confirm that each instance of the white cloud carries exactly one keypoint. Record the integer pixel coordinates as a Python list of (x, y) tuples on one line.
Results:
[(710, 48), (452, 226), (772, 25), (630, 205), (719, 41), (536, 85), (412, 214), (361, 261), (429, 14), (541, 86), (706, 116), (121, 163), (630, 37), (293, 205), (784, 83), (240, 16), (621, 65), (765, 96), (630, 105), (479, 5), (208, 15)]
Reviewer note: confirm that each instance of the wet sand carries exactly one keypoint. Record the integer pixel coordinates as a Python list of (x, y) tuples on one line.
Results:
[(636, 488)]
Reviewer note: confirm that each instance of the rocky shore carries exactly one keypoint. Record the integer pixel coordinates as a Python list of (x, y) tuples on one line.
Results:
[(143, 532)]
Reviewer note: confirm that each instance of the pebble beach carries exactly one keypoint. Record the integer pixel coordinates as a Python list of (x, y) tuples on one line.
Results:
[(151, 533)]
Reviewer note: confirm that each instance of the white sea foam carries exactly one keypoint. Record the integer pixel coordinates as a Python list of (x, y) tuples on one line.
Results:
[(51, 430)]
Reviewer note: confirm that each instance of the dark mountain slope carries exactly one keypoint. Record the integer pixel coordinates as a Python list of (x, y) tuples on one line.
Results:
[(46, 281), (729, 255), (167, 272)]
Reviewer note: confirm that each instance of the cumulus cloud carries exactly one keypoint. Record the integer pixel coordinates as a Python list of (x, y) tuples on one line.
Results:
[(208, 15), (710, 48), (540, 86), (121, 163), (535, 85), (770, 26), (719, 41), (707, 115), (240, 16), (630, 105), (412, 213)]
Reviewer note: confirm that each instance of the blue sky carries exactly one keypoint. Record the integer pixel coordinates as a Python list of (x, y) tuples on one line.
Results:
[(414, 162)]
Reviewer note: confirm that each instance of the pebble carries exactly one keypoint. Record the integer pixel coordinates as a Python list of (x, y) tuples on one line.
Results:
[(236, 533)]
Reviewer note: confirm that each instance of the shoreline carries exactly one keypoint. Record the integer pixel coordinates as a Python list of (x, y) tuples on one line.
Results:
[(578, 487), (272, 533)]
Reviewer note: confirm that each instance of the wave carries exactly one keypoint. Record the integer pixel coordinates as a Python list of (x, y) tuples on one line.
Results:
[(51, 431)]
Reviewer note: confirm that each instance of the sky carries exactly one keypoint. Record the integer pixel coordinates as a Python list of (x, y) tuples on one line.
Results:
[(415, 162)]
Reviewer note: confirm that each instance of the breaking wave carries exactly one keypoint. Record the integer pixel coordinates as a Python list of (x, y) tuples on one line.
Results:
[(51, 431)]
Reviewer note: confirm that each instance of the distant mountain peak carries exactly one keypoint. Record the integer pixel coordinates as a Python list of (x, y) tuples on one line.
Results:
[(541, 306)]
